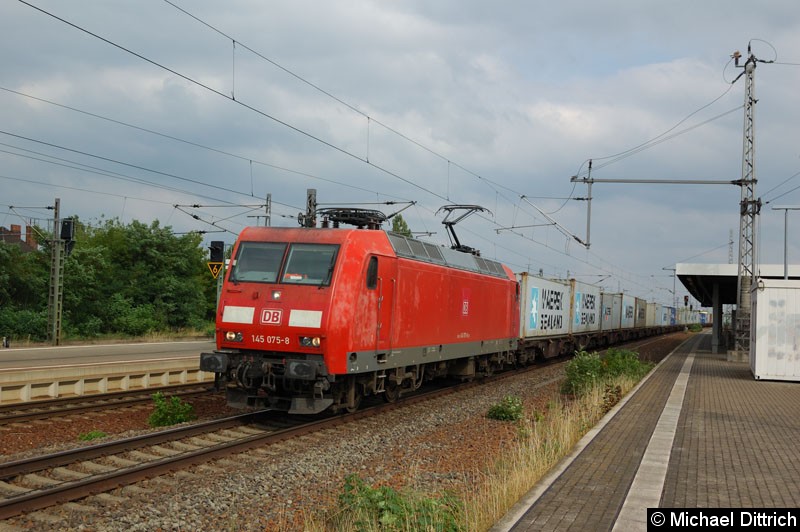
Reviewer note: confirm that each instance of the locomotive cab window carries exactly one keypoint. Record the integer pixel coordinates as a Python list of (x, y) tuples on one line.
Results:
[(310, 264), (372, 273), (258, 261)]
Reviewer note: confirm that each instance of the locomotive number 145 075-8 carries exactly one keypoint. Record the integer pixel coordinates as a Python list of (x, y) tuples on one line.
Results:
[(266, 339)]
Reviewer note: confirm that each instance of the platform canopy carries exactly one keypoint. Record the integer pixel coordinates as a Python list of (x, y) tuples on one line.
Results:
[(699, 279)]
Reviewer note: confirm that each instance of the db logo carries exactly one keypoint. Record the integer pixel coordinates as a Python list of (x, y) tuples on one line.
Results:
[(271, 316)]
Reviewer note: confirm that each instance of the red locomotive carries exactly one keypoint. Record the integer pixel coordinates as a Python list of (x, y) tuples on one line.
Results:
[(311, 319)]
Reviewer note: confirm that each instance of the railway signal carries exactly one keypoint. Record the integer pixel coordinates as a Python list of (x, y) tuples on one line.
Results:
[(216, 257)]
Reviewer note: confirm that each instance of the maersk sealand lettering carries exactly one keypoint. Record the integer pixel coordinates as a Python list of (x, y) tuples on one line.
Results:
[(550, 321), (552, 299), (586, 305)]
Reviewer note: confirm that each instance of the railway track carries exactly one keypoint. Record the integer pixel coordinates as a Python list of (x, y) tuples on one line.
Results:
[(39, 482), (44, 481), (52, 408)]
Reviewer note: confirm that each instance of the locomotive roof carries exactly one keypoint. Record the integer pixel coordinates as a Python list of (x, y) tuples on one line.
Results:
[(427, 252), (410, 248)]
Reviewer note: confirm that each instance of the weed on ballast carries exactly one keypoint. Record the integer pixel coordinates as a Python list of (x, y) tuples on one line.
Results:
[(509, 409), (170, 412), (384, 508), (92, 435)]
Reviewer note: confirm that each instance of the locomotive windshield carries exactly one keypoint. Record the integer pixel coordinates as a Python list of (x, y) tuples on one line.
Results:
[(258, 261), (305, 263), (310, 264)]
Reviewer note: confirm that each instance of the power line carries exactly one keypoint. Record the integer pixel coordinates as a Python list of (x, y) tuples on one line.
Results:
[(184, 141), (492, 184), (239, 102), (658, 139), (780, 185), (115, 161)]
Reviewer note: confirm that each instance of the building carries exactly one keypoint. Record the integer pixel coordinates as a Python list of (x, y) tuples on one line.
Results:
[(14, 236)]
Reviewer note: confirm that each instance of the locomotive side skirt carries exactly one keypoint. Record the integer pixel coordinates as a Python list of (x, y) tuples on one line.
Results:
[(358, 362)]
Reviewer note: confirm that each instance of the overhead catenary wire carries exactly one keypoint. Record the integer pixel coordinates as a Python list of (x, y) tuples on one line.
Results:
[(219, 93), (491, 184), (188, 142), (238, 102)]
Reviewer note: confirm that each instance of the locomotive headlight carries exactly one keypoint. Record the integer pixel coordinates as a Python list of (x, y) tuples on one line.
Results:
[(308, 341), (233, 336)]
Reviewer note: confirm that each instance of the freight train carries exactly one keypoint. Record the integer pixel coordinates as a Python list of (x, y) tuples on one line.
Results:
[(315, 319)]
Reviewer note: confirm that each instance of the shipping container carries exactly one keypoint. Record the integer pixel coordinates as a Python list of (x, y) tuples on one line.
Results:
[(585, 312), (611, 309), (667, 315), (653, 317), (628, 311), (641, 313), (775, 332), (545, 308)]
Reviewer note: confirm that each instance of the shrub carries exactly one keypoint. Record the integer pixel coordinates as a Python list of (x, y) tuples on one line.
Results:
[(619, 362), (23, 324), (695, 327), (384, 508), (582, 372), (170, 412), (588, 369), (509, 409)]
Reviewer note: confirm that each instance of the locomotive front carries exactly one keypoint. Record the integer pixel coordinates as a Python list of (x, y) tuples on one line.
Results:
[(271, 320)]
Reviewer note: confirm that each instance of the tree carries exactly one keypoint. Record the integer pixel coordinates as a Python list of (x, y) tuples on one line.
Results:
[(400, 226), (130, 279), (24, 279), (158, 279)]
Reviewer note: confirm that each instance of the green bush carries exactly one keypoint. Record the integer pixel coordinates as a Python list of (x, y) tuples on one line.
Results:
[(509, 409), (695, 327), (588, 369), (170, 412), (384, 508), (619, 362), (582, 372), (23, 324), (131, 319)]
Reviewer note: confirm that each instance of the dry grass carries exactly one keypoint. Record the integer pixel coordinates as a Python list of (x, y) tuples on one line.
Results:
[(543, 440)]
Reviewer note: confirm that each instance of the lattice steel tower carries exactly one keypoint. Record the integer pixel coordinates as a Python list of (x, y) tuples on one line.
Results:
[(750, 208)]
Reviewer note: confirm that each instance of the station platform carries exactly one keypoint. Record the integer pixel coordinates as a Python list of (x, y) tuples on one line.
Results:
[(699, 432)]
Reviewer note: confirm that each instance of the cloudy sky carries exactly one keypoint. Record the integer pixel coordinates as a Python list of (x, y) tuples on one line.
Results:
[(127, 109)]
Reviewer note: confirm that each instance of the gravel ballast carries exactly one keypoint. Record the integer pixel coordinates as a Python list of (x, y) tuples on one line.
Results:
[(431, 447)]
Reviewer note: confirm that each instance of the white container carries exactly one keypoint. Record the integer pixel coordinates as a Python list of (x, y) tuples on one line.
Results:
[(628, 311), (585, 315), (610, 312), (641, 313), (654, 317), (667, 316), (545, 308), (775, 331)]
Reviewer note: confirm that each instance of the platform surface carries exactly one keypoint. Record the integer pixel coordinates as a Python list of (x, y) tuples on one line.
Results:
[(700, 432)]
